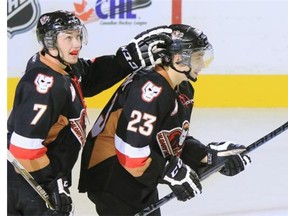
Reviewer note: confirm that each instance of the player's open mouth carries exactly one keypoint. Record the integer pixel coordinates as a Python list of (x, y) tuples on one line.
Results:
[(75, 52)]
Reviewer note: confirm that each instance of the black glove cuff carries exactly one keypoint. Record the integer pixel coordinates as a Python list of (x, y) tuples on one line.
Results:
[(125, 60), (53, 183), (211, 157), (194, 151), (43, 176), (170, 162)]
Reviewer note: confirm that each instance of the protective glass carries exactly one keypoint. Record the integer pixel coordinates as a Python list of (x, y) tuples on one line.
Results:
[(198, 57), (50, 37)]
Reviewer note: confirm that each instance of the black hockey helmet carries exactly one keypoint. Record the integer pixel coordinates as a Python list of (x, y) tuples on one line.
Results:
[(52, 23), (187, 40)]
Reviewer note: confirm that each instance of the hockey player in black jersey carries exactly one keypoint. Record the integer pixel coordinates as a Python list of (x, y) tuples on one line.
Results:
[(46, 128), (141, 137)]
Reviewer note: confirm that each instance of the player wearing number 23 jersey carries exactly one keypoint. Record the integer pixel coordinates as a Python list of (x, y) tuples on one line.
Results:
[(140, 138), (145, 123), (145, 112)]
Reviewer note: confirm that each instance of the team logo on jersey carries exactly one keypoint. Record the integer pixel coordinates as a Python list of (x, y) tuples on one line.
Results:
[(43, 83), (150, 91), (171, 141), (21, 16), (78, 127), (186, 101)]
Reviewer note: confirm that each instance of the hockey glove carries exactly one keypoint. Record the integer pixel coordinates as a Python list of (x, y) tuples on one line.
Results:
[(235, 165), (182, 180), (219, 151), (60, 196), (141, 51)]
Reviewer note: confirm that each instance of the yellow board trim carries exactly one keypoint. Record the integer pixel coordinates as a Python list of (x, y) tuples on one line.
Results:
[(242, 91), (212, 91)]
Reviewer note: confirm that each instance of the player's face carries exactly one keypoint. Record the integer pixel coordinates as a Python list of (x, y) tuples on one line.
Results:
[(197, 63), (69, 44), (177, 62), (193, 63)]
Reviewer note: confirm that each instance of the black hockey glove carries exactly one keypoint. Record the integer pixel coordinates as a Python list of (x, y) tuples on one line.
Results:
[(235, 165), (217, 150), (221, 150), (60, 197), (142, 50), (182, 180)]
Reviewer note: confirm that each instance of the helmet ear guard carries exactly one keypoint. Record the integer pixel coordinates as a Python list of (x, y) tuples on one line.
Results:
[(176, 46), (49, 40), (173, 48)]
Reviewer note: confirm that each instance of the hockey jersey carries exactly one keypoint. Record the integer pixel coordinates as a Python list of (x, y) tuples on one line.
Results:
[(144, 123), (48, 115)]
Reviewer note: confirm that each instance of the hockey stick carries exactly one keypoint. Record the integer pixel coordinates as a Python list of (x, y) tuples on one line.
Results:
[(206, 173), (27, 176)]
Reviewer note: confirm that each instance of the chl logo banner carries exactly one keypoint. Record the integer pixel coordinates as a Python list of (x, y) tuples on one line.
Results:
[(22, 15), (108, 9)]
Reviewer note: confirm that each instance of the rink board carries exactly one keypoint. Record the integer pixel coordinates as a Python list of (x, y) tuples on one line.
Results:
[(214, 91)]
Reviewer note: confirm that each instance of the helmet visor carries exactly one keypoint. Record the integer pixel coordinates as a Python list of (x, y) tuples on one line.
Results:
[(79, 28), (200, 57), (50, 36)]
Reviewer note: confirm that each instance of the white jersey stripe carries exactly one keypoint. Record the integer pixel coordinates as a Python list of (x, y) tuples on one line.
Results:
[(128, 150), (26, 143)]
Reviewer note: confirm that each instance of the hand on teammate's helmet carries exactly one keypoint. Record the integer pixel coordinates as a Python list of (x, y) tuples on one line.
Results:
[(60, 197), (142, 50), (217, 151), (182, 180)]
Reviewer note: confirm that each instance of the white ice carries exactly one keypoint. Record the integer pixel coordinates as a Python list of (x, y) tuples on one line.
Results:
[(261, 190)]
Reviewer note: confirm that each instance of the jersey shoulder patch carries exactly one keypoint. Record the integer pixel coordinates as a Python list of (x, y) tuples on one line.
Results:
[(43, 83), (149, 91)]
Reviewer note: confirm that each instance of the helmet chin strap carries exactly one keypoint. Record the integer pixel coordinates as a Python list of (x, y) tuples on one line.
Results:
[(58, 57), (187, 73)]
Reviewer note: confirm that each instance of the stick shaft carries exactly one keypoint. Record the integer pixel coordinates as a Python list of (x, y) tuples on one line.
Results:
[(29, 178), (216, 168)]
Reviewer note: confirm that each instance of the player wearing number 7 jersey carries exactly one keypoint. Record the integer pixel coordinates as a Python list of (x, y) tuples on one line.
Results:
[(46, 128), (141, 137)]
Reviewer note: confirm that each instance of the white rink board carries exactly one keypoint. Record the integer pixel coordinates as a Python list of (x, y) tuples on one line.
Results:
[(249, 37), (261, 190)]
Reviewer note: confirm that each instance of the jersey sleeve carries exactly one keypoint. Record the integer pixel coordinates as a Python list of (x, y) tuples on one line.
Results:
[(194, 151), (100, 74)]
